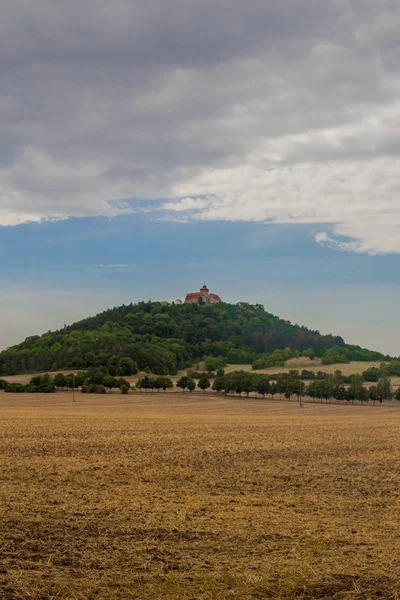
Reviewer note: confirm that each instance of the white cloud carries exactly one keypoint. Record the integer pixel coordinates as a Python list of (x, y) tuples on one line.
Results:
[(359, 199), (286, 112), (323, 239)]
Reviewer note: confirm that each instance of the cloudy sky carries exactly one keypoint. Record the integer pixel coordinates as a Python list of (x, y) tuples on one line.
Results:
[(149, 147)]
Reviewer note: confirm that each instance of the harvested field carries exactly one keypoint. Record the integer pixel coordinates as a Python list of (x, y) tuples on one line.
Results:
[(197, 498), (351, 368)]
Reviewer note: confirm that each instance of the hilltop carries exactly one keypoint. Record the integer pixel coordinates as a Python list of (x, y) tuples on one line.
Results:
[(164, 339)]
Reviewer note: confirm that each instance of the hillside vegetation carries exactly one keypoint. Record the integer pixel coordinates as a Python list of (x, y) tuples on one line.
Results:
[(165, 339)]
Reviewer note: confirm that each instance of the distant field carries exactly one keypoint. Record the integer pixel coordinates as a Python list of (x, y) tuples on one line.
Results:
[(311, 365), (26, 377), (352, 368), (197, 498)]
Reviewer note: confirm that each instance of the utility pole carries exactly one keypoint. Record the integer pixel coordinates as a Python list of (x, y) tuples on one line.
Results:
[(73, 387)]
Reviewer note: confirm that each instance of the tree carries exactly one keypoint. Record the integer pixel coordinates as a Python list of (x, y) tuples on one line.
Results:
[(356, 388), (127, 366), (273, 389), (364, 394), (372, 374), (280, 386), (186, 382), (337, 376), (238, 382), (290, 385), (384, 389), (298, 387), (69, 381), (79, 379), (112, 366), (373, 393), (152, 383), (397, 395), (219, 384), (204, 382), (110, 382), (144, 383), (46, 384), (124, 389), (59, 380), (167, 383), (319, 389), (210, 363), (158, 383), (338, 392), (99, 389), (263, 386), (183, 382), (121, 381), (99, 377), (248, 383)]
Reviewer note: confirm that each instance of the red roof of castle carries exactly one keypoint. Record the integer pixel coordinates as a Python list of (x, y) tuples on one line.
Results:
[(200, 295), (216, 297)]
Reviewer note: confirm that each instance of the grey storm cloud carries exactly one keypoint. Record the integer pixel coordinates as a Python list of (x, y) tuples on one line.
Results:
[(266, 111)]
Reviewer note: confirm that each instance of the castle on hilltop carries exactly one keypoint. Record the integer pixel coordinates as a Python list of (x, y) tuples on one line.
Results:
[(204, 294), (201, 297)]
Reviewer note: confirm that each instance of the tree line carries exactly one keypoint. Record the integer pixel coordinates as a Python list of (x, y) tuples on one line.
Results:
[(243, 382), (92, 381), (97, 381)]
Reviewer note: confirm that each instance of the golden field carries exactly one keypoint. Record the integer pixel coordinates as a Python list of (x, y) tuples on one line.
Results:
[(157, 497), (352, 368)]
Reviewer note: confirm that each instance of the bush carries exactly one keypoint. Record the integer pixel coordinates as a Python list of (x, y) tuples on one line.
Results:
[(260, 363), (93, 388), (15, 388)]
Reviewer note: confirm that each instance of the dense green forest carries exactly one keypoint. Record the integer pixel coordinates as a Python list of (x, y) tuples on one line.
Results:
[(164, 339)]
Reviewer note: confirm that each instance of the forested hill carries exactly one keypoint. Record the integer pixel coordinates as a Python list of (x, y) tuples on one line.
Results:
[(164, 339)]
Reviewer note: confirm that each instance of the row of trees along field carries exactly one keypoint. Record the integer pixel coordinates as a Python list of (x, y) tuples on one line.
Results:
[(287, 385), (96, 381), (92, 381), (165, 339)]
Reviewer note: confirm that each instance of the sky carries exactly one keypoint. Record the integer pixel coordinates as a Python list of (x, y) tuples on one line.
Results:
[(150, 147)]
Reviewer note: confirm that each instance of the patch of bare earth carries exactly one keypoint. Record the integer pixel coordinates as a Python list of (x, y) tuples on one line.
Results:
[(197, 498)]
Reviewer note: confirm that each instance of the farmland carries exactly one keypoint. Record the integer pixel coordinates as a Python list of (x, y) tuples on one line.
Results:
[(351, 368), (197, 498)]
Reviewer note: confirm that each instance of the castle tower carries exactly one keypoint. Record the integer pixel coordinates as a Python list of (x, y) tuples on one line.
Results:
[(204, 291)]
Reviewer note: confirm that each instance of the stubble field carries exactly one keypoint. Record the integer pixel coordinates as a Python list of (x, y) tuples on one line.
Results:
[(202, 498)]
